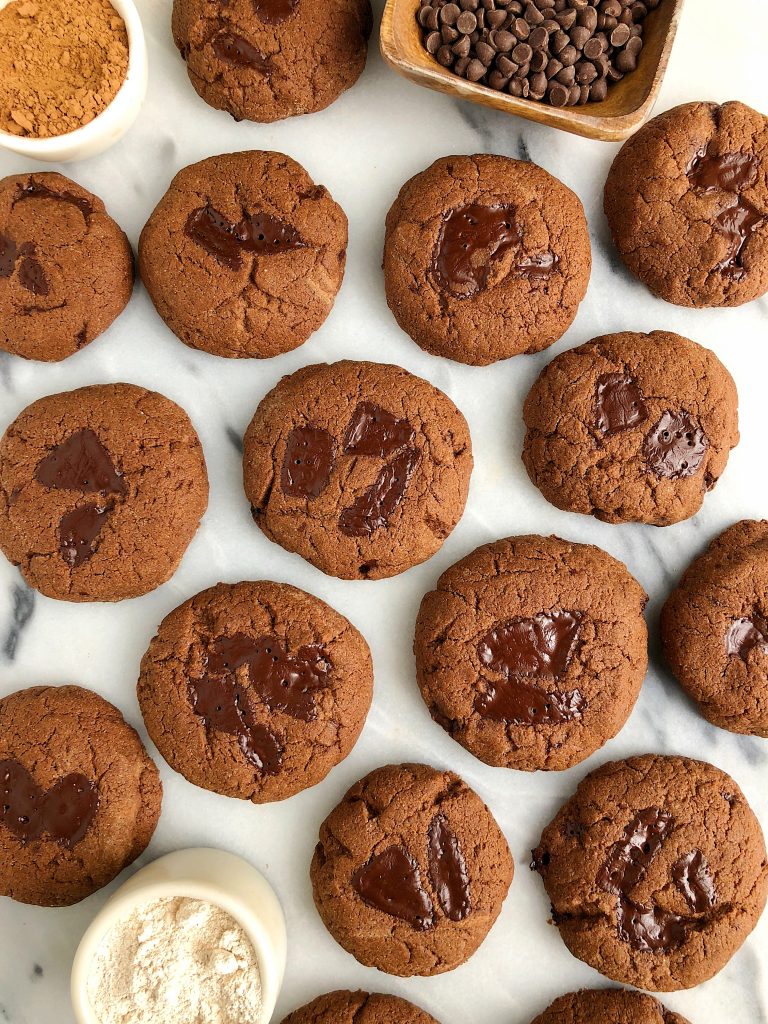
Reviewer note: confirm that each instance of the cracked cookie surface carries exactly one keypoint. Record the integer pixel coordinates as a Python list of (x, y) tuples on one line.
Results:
[(263, 60), (607, 1006), (687, 203), (361, 468), (244, 254), (631, 427), (101, 491), (531, 651), (410, 871), (79, 795), (714, 627), (656, 869), (344, 1007), (66, 268), (255, 690), (485, 258)]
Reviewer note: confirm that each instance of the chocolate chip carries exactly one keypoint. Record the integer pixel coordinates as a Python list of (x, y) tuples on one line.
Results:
[(567, 76), (586, 73), (538, 85), (569, 55), (497, 81), (506, 66), (485, 53), (599, 90), (579, 36), (475, 70), (539, 61), (588, 18), (553, 66), (462, 47), (444, 56), (533, 15), (558, 94), (566, 19), (433, 42), (449, 14), (521, 28), (538, 38), (495, 19), (593, 48), (522, 53), (626, 61), (448, 34), (466, 22), (559, 41), (461, 65)]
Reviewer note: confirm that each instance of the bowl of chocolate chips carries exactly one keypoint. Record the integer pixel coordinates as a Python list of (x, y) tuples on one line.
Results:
[(591, 67)]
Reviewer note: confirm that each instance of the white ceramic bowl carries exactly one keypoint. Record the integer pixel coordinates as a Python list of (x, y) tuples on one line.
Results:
[(216, 876), (113, 122)]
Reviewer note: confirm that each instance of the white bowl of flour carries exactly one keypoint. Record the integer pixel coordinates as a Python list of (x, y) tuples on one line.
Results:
[(197, 935)]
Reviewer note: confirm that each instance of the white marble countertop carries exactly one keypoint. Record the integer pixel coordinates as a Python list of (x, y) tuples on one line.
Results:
[(363, 148)]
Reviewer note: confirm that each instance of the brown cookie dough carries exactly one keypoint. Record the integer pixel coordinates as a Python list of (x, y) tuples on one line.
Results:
[(101, 491), (656, 870), (411, 870), (531, 651), (255, 690), (66, 268), (714, 628), (485, 258), (263, 60), (608, 1006), (631, 428), (344, 1007), (79, 796), (361, 468), (244, 254), (687, 203)]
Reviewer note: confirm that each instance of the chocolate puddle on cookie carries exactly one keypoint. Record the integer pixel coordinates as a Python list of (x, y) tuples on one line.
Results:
[(257, 233), (35, 190), (232, 48), (31, 273), (675, 447), (448, 870), (391, 882), (64, 812), (307, 463), (373, 509), (619, 403), (374, 431), (273, 12)]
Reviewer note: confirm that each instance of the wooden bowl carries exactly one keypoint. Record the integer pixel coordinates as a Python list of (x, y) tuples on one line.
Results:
[(628, 104)]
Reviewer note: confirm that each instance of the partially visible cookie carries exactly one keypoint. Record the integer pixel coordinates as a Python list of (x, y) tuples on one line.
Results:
[(263, 60), (531, 651), (66, 268), (607, 1006), (361, 468), (255, 690), (656, 869), (344, 1007), (101, 491), (485, 258), (631, 427), (244, 254), (714, 628), (687, 203), (79, 795), (410, 871)]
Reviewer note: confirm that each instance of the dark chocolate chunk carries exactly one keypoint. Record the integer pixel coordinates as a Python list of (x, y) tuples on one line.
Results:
[(448, 870), (81, 463), (374, 431), (64, 812), (619, 403), (373, 509), (676, 446), (307, 463), (391, 882), (257, 233), (235, 49)]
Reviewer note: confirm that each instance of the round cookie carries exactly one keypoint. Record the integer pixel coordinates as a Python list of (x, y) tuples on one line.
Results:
[(244, 254), (656, 870), (411, 870), (79, 796), (361, 468), (687, 203), (66, 268), (631, 427), (344, 1007), (263, 60), (714, 628), (531, 651), (607, 1006), (255, 690), (485, 258), (101, 491)]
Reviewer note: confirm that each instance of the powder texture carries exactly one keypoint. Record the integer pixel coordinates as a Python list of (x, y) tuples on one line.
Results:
[(176, 961), (61, 63)]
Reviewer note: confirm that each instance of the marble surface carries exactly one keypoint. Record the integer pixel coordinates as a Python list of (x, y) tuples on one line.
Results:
[(363, 148)]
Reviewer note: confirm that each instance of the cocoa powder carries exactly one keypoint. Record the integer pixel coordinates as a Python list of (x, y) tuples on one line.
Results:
[(61, 63)]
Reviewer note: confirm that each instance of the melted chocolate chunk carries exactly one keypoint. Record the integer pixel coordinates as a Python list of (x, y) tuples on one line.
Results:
[(744, 635), (36, 190), (235, 49), (81, 463), (522, 704), (273, 12), (8, 254), (675, 447), (619, 403), (31, 273), (649, 929), (373, 509), (79, 530), (693, 878), (737, 223), (257, 233), (448, 870), (391, 882), (64, 812), (629, 858), (536, 268), (307, 462), (374, 431)]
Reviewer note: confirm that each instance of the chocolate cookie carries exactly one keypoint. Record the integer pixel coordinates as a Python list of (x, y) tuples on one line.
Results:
[(66, 268), (607, 1006), (687, 203), (343, 1007), (79, 796), (101, 491), (531, 651), (361, 468), (244, 254), (631, 428), (411, 870), (485, 258), (714, 628), (656, 870), (263, 60), (255, 690)]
